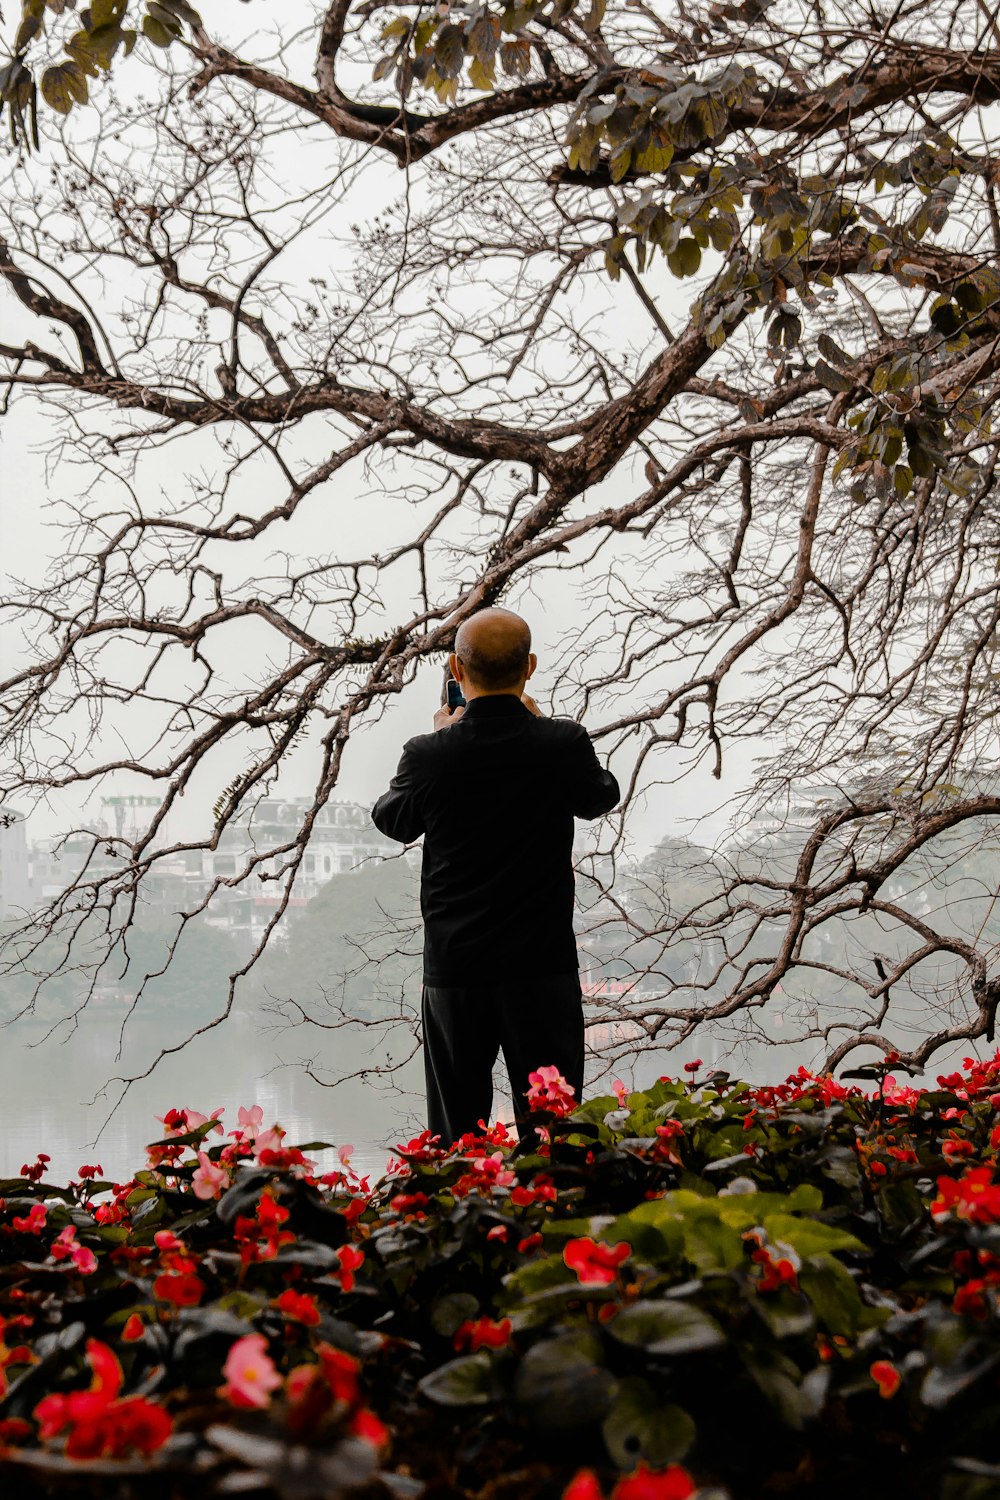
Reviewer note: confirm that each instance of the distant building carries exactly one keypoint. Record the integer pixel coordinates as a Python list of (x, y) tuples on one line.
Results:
[(15, 879), (343, 839)]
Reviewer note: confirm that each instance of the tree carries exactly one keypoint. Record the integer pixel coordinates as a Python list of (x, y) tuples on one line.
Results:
[(695, 304)]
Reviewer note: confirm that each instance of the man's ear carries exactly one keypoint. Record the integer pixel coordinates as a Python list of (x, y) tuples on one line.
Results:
[(532, 664), (455, 667)]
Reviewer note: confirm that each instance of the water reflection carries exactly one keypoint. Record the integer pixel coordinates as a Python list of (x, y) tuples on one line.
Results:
[(49, 1084)]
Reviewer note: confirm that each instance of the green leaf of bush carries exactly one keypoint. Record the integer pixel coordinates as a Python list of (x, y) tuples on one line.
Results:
[(667, 1327), (561, 1382), (469, 1381), (639, 1427)]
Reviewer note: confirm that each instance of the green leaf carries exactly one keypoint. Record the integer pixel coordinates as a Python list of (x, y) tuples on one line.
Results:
[(181, 10), (27, 31), (449, 51), (787, 1314), (831, 378), (105, 12), (833, 1294), (470, 1381), (484, 38), (451, 1310), (666, 1327), (63, 86), (639, 1428), (810, 1236), (943, 1383), (561, 1382), (685, 259), (621, 160), (157, 33)]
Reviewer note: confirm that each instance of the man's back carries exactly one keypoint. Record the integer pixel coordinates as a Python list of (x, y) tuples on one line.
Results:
[(494, 796)]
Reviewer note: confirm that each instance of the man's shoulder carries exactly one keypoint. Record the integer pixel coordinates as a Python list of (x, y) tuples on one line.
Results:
[(422, 745), (428, 747), (566, 730)]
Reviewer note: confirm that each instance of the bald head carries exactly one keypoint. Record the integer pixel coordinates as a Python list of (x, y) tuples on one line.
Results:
[(494, 650)]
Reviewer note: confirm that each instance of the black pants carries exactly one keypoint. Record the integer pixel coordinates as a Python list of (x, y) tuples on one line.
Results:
[(535, 1022)]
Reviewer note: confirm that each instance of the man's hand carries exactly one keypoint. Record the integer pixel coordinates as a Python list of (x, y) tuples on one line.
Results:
[(445, 717), (531, 705)]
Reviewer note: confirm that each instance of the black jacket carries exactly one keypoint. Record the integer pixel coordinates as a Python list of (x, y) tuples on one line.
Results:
[(494, 796)]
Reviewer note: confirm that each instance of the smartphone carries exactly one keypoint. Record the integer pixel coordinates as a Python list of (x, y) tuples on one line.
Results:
[(455, 697)]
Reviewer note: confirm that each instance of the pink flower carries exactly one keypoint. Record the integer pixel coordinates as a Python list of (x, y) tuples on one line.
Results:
[(268, 1140), (898, 1093), (344, 1153), (595, 1264), (209, 1179), (250, 1372), (621, 1091), (180, 1121), (549, 1090), (249, 1122)]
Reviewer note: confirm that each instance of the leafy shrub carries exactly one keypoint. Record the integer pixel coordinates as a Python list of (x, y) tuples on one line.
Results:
[(701, 1287)]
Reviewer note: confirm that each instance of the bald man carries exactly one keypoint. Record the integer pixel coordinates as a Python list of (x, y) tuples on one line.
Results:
[(494, 792)]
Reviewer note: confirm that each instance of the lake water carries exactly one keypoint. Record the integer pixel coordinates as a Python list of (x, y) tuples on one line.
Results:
[(56, 1096), (53, 1100)]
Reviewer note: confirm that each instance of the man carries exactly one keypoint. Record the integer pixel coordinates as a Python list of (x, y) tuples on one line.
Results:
[(494, 791)]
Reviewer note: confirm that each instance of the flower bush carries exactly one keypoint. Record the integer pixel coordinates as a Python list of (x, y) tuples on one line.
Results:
[(701, 1289)]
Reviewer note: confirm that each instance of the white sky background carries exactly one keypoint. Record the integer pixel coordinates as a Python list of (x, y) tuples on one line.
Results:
[(32, 488)]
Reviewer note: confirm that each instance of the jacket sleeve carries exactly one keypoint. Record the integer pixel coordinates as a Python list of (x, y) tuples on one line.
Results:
[(398, 813), (593, 790)]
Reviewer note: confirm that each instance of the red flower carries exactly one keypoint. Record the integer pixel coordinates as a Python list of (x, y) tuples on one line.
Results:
[(300, 1306), (971, 1300), (340, 1371), (64, 1247), (583, 1486), (134, 1329), (541, 1190), (595, 1264), (349, 1260), (886, 1377), (483, 1333), (549, 1090), (405, 1201), (671, 1483), (182, 1288), (973, 1197), (778, 1271), (34, 1223), (368, 1427), (101, 1425), (530, 1244)]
